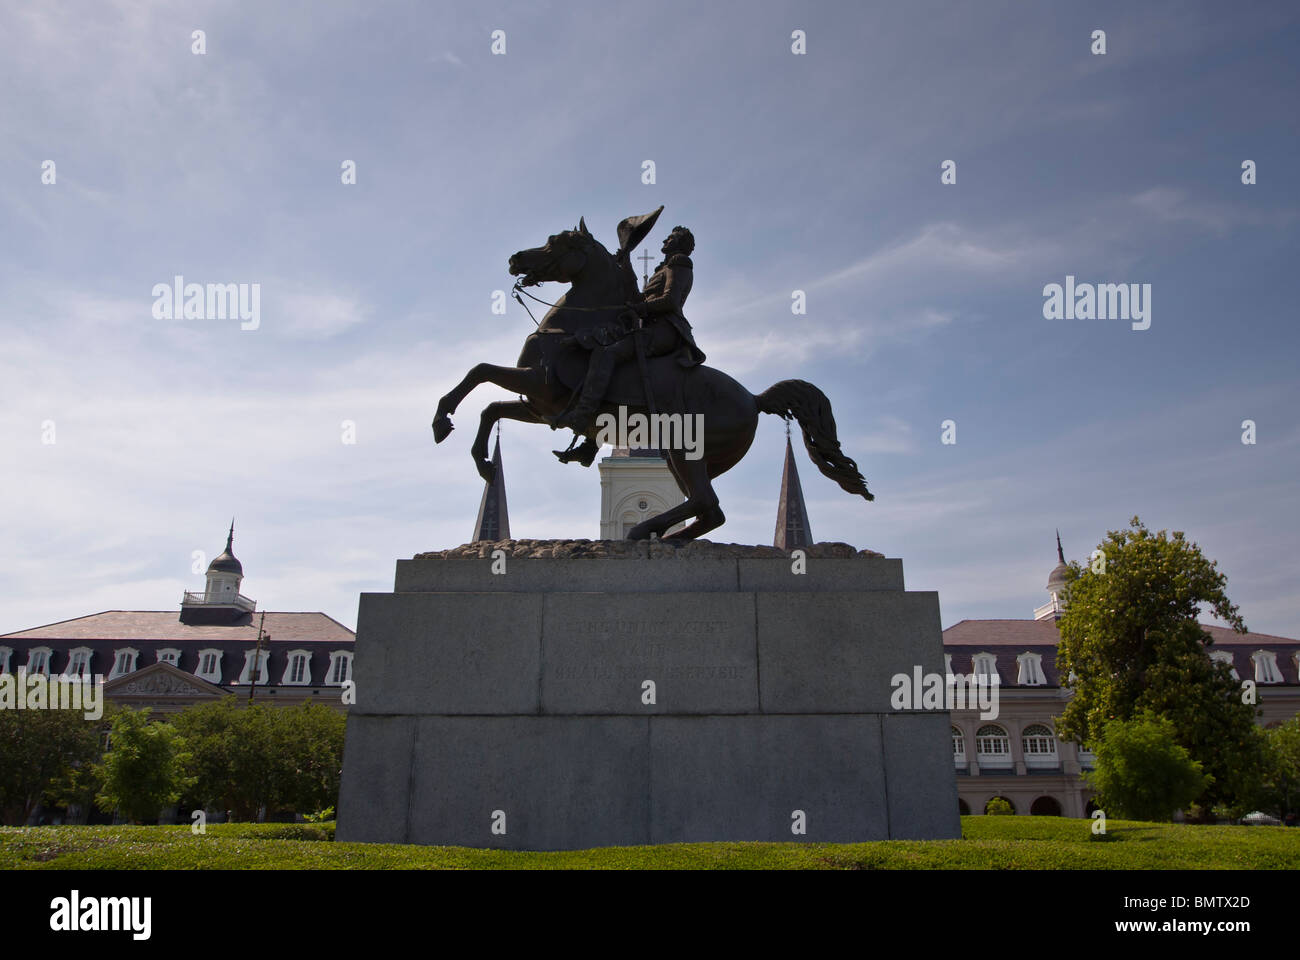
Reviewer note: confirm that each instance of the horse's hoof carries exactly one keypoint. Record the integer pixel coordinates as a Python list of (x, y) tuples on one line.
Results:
[(486, 470), (441, 427)]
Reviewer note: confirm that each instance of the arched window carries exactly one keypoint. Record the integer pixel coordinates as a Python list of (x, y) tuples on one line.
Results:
[(1039, 746), (958, 749), (992, 747), (1030, 673), (1266, 670), (170, 655)]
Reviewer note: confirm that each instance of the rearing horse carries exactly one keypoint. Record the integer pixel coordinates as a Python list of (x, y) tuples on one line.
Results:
[(551, 368)]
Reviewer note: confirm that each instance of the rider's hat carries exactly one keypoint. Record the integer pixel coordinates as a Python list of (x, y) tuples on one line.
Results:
[(634, 229)]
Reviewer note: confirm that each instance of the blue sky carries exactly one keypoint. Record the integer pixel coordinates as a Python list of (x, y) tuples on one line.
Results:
[(818, 172)]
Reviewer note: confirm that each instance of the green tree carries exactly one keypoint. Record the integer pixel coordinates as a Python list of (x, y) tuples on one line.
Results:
[(37, 749), (144, 768), (256, 762), (1281, 793), (244, 759), (1141, 772), (311, 743), (1131, 637), (209, 733)]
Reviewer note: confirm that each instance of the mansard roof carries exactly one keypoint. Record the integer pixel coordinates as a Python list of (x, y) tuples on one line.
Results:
[(1007, 639), (118, 625)]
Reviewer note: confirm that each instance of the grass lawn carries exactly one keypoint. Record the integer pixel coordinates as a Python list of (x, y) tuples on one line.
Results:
[(1016, 843)]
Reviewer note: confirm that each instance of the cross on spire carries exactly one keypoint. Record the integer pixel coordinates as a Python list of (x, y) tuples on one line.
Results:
[(645, 259)]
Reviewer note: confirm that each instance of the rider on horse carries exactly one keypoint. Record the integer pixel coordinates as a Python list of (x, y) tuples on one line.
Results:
[(659, 315)]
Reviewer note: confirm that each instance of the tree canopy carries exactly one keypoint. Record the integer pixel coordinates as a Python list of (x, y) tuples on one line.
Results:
[(1142, 773), (1131, 641)]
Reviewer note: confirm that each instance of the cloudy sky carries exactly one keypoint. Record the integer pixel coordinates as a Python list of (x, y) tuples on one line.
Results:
[(818, 172)]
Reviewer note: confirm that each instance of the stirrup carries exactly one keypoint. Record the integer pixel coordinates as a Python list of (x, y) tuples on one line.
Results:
[(585, 454)]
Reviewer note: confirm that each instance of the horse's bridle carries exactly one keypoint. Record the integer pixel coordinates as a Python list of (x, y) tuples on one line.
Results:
[(518, 288)]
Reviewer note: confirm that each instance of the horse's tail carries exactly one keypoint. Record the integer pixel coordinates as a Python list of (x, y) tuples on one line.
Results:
[(808, 405)]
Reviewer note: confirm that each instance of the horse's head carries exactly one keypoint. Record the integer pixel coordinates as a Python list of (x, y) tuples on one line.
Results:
[(563, 257)]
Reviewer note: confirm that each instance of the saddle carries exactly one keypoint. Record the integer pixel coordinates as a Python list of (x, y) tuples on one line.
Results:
[(667, 379)]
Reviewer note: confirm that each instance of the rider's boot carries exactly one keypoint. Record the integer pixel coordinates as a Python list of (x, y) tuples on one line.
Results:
[(584, 454)]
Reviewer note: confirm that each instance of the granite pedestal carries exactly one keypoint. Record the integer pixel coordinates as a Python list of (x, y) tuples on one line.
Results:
[(702, 693)]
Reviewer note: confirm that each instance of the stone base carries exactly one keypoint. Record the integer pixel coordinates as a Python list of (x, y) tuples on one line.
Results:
[(520, 700)]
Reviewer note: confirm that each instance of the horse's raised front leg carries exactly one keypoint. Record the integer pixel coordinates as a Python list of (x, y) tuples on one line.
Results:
[(500, 410), (522, 380)]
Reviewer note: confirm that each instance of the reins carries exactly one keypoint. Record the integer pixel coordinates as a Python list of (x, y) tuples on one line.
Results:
[(519, 288)]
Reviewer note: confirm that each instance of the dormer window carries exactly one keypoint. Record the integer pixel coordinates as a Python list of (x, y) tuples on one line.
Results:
[(38, 661), (123, 661), (1224, 657), (78, 667), (5, 654), (254, 672), (169, 655), (340, 669), (985, 666), (1030, 673), (209, 665), (1266, 669), (298, 669)]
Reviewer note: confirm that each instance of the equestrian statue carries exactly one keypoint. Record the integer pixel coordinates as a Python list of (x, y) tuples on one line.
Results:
[(605, 344)]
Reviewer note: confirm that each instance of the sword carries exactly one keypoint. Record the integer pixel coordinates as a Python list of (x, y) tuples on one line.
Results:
[(644, 365)]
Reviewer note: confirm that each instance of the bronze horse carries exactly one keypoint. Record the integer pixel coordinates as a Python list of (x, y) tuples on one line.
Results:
[(551, 368)]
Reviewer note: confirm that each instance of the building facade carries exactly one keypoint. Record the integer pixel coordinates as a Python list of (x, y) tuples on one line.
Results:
[(216, 644), (1017, 756)]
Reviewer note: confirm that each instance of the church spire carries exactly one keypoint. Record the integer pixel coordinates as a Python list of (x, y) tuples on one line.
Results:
[(792, 527), (493, 521), (1060, 555)]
